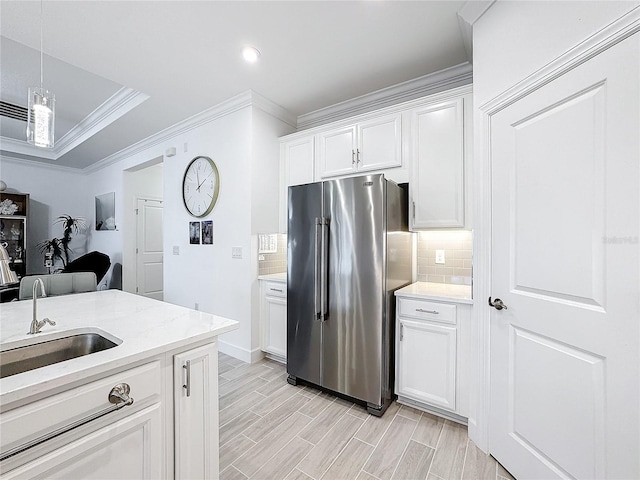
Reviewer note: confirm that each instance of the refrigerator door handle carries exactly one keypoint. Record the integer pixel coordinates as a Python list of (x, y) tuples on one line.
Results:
[(317, 282), (324, 265)]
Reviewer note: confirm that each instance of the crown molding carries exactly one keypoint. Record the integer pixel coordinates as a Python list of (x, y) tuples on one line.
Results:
[(18, 161), (456, 76), (121, 102), (246, 99)]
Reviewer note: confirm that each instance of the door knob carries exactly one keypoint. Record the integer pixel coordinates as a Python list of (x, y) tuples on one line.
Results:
[(497, 304)]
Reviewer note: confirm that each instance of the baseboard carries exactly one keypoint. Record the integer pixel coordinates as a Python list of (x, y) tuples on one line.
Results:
[(248, 356), (433, 410)]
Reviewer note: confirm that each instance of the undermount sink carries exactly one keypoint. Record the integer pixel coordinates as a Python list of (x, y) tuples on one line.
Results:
[(36, 355)]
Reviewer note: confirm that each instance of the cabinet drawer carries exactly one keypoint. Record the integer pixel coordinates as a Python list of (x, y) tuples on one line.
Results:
[(432, 311), (275, 289), (30, 421)]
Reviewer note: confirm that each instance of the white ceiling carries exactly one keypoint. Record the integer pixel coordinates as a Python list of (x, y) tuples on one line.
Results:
[(143, 66)]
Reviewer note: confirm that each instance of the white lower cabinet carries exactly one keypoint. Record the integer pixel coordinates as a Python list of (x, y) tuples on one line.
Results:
[(129, 448), (431, 356), (427, 363), (170, 430), (196, 407), (274, 319)]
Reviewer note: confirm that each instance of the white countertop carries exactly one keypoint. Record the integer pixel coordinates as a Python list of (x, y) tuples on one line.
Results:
[(144, 326), (274, 277), (437, 291)]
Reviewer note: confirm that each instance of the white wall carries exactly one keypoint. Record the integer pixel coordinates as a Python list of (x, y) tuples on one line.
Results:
[(514, 39), (53, 191)]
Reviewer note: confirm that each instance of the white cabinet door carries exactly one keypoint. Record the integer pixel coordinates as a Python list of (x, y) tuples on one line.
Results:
[(437, 176), (379, 143), (298, 161), (297, 168), (337, 151), (427, 363), (196, 413), (131, 448), (275, 326)]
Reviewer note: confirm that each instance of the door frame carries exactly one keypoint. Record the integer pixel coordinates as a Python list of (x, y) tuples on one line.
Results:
[(610, 35)]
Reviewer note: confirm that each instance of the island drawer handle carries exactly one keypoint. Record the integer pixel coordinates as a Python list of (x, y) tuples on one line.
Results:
[(276, 290), (435, 312), (119, 396), (187, 385)]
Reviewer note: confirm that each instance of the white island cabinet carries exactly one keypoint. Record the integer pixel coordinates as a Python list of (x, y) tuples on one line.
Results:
[(63, 420)]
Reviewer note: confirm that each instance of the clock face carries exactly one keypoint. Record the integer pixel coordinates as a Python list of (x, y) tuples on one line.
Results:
[(200, 186)]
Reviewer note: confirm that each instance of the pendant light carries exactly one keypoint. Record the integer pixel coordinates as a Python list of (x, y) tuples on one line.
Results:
[(41, 109)]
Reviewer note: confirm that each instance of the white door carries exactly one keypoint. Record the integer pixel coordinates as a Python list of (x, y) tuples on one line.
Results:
[(379, 143), (149, 249), (337, 152), (564, 355)]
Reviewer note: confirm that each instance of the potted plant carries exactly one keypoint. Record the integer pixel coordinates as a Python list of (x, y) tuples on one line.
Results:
[(58, 248)]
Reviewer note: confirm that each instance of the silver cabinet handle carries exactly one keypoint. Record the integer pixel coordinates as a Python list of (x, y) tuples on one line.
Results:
[(353, 157), (401, 332), (276, 290), (358, 155), (119, 396), (435, 312), (187, 385)]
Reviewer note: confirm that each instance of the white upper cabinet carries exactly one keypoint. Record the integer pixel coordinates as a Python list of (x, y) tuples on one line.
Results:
[(438, 149), (298, 161), (373, 144)]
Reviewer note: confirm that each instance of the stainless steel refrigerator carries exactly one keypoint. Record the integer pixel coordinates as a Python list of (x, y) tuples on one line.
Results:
[(348, 250)]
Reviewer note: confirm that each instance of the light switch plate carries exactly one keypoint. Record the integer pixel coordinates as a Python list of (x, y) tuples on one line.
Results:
[(236, 252), (440, 256)]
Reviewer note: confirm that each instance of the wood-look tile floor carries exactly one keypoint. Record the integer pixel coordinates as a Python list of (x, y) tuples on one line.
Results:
[(270, 430)]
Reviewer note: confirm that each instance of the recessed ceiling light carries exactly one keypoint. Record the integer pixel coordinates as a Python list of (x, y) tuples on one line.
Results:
[(250, 54)]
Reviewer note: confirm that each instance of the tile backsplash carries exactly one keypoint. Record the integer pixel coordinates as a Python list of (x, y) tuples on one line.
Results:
[(274, 262), (457, 246)]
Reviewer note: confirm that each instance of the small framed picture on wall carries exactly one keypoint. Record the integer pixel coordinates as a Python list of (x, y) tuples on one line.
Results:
[(207, 232), (194, 233)]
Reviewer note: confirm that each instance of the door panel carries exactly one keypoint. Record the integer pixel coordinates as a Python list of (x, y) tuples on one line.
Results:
[(353, 331), (149, 249), (565, 210), (303, 328)]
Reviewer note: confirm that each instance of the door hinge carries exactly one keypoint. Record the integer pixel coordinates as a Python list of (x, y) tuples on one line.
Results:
[(136, 250), (136, 211), (414, 211)]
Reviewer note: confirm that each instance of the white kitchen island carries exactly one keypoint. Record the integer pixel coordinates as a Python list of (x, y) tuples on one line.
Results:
[(166, 354)]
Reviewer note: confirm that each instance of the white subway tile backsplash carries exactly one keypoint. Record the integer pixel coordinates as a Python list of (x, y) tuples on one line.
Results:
[(457, 245)]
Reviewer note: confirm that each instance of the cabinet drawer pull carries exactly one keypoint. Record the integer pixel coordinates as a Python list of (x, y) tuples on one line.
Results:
[(276, 290), (353, 157), (187, 385), (422, 310), (119, 396)]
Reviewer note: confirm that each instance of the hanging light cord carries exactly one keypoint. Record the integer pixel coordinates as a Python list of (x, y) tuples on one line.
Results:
[(41, 62)]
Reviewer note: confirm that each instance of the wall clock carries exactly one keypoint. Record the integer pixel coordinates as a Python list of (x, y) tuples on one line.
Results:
[(200, 186)]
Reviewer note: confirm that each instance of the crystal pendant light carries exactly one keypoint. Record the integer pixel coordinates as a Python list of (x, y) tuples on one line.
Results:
[(41, 109)]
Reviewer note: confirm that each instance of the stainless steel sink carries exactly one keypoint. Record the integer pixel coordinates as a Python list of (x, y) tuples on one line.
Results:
[(29, 357)]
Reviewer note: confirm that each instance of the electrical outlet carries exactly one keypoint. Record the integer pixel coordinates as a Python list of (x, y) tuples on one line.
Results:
[(176, 250), (440, 256), (261, 257), (236, 252)]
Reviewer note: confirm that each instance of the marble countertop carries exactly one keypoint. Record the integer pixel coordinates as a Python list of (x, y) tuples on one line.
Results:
[(275, 277), (437, 291), (142, 327)]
